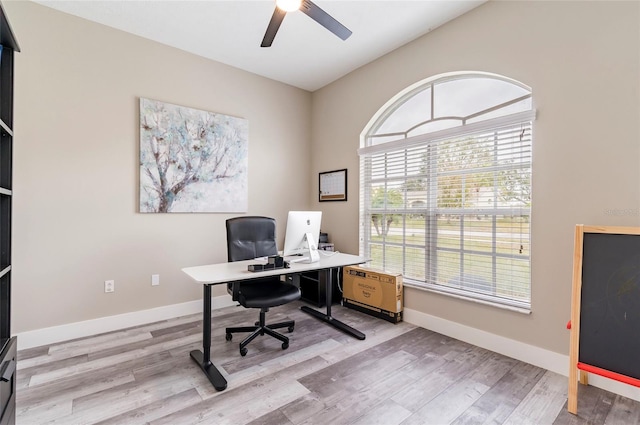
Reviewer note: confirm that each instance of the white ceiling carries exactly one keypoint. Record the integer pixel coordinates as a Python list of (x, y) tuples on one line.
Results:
[(304, 54)]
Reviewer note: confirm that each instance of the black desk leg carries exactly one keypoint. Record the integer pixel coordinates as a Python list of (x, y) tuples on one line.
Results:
[(204, 360), (327, 317)]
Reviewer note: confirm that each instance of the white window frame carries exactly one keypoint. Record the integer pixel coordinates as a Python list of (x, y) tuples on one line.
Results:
[(403, 142)]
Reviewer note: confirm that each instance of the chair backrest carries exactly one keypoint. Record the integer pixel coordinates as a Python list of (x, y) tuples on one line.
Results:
[(251, 237)]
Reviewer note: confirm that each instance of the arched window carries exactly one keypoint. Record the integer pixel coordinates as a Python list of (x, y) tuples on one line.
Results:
[(445, 187)]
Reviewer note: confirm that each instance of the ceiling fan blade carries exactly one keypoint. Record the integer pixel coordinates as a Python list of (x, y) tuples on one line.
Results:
[(272, 28), (323, 18)]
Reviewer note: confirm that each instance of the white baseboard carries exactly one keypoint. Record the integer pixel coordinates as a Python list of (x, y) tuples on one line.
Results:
[(70, 331), (550, 360)]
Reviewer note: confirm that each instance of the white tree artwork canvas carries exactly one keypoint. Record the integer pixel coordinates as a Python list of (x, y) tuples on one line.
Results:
[(191, 160)]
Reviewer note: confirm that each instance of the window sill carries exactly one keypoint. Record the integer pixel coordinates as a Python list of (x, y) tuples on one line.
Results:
[(464, 296)]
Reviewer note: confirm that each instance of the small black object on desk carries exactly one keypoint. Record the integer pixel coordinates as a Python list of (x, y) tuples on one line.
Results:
[(273, 262)]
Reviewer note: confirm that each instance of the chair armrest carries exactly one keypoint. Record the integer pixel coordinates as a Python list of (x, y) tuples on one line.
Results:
[(233, 289)]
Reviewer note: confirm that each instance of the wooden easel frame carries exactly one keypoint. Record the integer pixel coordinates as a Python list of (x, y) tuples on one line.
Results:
[(572, 404)]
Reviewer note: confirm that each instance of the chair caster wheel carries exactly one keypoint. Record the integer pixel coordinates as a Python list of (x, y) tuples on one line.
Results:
[(228, 337), (243, 352), (290, 329), (256, 323), (285, 345)]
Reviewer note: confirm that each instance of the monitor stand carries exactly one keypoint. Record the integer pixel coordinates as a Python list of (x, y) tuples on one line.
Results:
[(314, 256)]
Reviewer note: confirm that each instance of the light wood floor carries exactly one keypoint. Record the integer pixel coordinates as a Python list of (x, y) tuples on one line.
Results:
[(400, 374)]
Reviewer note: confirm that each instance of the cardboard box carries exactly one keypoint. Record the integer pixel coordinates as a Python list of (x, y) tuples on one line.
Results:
[(373, 292)]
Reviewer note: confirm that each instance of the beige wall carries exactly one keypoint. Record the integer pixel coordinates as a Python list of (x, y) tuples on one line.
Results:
[(76, 155), (582, 61), (75, 220)]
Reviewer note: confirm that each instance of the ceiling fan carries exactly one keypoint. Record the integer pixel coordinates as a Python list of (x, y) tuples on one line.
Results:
[(310, 9)]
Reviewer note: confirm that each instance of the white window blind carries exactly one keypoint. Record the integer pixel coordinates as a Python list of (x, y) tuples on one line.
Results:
[(452, 212)]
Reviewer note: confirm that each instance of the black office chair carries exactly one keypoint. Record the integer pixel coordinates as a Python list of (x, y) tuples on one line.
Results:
[(247, 238)]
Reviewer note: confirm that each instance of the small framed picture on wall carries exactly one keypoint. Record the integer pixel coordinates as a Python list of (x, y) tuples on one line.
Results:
[(333, 186)]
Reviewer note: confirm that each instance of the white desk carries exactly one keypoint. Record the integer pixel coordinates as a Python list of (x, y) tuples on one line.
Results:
[(222, 273)]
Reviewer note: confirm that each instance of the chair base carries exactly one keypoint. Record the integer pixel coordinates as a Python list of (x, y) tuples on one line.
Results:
[(261, 328)]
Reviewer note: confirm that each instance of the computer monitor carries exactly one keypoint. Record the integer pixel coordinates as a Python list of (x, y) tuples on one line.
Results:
[(299, 224)]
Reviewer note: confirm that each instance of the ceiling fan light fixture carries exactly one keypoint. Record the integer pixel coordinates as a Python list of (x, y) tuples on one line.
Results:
[(310, 9), (289, 5)]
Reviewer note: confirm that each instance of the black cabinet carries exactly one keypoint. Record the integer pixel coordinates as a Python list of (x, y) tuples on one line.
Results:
[(8, 345), (313, 287), (8, 382)]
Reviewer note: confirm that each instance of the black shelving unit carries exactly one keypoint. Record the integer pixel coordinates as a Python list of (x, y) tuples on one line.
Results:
[(313, 287), (8, 344)]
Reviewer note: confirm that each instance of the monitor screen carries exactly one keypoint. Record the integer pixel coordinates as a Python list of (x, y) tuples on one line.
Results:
[(299, 223)]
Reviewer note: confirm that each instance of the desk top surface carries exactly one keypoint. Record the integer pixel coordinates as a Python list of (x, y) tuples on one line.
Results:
[(237, 270)]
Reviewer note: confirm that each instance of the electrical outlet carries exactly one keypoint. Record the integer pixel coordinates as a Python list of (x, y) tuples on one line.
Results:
[(109, 286), (155, 279)]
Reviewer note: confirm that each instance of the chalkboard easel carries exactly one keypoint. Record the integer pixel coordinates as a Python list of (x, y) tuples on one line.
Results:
[(605, 307)]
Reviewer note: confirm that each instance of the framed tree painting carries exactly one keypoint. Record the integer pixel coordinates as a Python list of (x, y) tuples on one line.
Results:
[(191, 160)]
